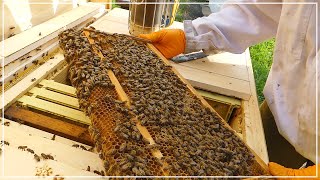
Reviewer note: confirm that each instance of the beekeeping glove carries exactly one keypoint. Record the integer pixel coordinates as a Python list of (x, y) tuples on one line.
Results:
[(278, 170), (170, 42)]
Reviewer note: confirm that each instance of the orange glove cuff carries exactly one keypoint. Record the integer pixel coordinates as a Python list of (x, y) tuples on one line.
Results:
[(278, 170)]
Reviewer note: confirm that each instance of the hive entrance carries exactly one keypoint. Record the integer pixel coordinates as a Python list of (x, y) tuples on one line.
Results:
[(124, 87)]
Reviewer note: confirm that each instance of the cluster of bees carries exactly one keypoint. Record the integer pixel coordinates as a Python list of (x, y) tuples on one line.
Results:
[(192, 139), (123, 153)]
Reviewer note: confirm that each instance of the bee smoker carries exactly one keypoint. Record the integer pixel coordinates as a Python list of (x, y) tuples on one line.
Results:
[(146, 16)]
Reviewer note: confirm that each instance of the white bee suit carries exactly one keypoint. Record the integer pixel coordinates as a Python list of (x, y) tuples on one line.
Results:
[(290, 90)]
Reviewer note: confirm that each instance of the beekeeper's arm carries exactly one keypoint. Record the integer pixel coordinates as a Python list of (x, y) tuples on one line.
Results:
[(233, 29)]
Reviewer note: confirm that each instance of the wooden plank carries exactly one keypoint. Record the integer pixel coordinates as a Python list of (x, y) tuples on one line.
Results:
[(116, 21), (49, 124), (253, 128), (36, 124), (19, 64), (52, 108), (215, 83), (33, 12), (209, 64), (22, 43), (219, 98), (21, 164), (58, 87), (30, 80), (74, 157), (17, 68), (62, 76), (58, 98)]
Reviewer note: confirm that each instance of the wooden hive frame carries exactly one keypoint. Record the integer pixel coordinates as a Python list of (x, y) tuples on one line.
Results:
[(258, 166)]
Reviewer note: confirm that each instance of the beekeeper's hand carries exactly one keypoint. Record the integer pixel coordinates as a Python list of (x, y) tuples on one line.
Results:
[(170, 42), (278, 170)]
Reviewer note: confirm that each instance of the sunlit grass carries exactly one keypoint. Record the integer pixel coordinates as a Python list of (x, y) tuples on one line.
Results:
[(261, 57)]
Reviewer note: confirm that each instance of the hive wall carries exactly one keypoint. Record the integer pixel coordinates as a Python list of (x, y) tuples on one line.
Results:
[(192, 139)]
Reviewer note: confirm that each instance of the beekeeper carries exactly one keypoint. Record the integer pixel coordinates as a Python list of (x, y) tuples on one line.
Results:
[(290, 90)]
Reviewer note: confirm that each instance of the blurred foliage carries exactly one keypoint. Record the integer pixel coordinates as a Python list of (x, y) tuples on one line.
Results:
[(261, 57), (114, 5), (189, 11)]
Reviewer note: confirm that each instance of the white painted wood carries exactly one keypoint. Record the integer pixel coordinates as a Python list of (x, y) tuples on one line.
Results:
[(30, 80), (214, 82), (58, 87), (21, 163), (18, 66), (11, 68), (55, 97), (71, 156), (39, 133), (22, 16), (56, 109), (214, 65), (253, 128), (22, 43)]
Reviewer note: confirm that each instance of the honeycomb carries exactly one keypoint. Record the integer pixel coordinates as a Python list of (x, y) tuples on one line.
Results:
[(192, 139)]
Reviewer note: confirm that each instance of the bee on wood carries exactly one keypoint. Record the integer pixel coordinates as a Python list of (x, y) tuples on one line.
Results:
[(38, 49), (33, 79), (39, 33), (97, 172), (5, 143), (30, 150), (44, 156), (50, 157), (53, 137), (102, 173), (75, 145), (83, 147), (12, 27), (36, 157), (29, 56), (35, 62), (88, 168), (11, 35), (23, 148), (7, 123), (52, 57)]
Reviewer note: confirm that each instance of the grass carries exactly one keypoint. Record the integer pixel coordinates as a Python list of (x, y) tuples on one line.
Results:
[(261, 57)]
